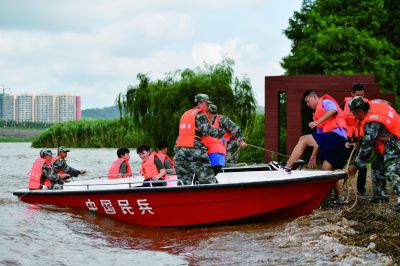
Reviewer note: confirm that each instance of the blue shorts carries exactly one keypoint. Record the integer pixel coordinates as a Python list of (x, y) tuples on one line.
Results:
[(332, 149), (217, 159)]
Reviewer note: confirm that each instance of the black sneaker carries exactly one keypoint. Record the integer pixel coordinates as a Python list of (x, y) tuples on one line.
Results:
[(363, 194)]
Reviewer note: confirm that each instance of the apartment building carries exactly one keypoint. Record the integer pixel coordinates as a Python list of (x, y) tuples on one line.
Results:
[(44, 108)]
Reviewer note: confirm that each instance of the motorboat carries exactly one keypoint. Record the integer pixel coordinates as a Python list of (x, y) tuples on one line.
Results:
[(242, 193)]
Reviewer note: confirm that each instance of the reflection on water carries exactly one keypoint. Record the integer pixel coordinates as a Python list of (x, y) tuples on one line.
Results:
[(65, 236)]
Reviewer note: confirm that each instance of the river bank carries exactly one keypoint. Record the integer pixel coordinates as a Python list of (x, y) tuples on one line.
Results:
[(376, 225), (18, 135)]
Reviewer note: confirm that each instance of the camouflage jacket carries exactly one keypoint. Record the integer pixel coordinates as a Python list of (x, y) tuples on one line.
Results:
[(372, 132), (205, 129), (228, 125), (49, 173), (61, 165)]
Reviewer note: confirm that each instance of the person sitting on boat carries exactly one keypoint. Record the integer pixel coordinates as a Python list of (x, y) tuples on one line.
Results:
[(152, 168), (60, 164), (329, 140), (42, 176), (121, 168), (382, 132), (191, 158), (216, 148), (162, 149)]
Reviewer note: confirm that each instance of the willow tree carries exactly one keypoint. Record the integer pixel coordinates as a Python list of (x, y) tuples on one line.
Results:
[(156, 106)]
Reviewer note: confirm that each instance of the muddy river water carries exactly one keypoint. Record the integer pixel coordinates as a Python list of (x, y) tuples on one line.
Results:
[(34, 235)]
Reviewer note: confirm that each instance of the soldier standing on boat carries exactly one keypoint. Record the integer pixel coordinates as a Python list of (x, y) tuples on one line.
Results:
[(191, 158), (216, 148), (381, 131)]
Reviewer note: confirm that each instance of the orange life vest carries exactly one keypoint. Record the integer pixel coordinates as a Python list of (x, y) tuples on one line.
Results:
[(355, 128), (113, 172), (149, 168), (164, 157), (187, 129), (56, 159), (214, 145), (383, 113), (36, 172), (332, 122)]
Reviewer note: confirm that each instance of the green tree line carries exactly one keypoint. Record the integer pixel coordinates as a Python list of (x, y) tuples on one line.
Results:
[(346, 37), (156, 106)]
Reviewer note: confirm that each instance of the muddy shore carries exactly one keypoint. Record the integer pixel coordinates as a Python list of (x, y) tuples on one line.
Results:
[(376, 225)]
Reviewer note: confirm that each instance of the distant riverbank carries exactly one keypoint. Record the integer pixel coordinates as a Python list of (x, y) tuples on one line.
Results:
[(18, 135)]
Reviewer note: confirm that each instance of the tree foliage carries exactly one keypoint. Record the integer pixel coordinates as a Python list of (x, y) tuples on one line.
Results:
[(156, 106), (346, 37)]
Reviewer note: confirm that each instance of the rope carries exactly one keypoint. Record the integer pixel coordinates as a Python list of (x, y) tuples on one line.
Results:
[(270, 151), (348, 179)]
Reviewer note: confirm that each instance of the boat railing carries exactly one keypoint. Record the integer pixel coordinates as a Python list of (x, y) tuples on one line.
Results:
[(132, 184)]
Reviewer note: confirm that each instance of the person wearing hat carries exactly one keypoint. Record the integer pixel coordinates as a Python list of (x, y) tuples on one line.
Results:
[(381, 132), (191, 158), (42, 176), (216, 148), (60, 165)]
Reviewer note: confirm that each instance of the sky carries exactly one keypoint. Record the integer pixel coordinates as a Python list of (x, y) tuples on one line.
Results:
[(95, 49)]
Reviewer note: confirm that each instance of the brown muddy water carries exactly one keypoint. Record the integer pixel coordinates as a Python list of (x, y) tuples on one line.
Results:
[(33, 235)]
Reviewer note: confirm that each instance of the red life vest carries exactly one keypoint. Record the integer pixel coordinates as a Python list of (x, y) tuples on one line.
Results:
[(56, 159), (113, 172), (164, 157), (355, 128), (214, 145), (36, 172), (383, 113), (187, 129), (149, 168), (332, 122)]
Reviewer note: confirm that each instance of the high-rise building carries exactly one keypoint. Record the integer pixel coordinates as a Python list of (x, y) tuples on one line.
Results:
[(44, 108), (24, 108), (8, 107), (65, 108)]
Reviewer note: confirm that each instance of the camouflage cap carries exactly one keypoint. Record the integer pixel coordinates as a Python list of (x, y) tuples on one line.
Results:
[(45, 153), (356, 103), (63, 148), (212, 108), (201, 97)]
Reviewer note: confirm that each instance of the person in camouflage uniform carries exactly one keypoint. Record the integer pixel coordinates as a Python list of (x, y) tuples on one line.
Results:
[(375, 132), (233, 132), (60, 165), (191, 158), (48, 173)]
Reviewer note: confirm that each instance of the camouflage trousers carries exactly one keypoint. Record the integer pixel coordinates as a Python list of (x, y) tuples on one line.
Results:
[(378, 178), (193, 164), (391, 159)]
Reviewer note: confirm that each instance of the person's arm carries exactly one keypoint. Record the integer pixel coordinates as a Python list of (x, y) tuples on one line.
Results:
[(122, 168), (206, 129), (313, 159), (331, 111), (160, 168), (230, 126), (50, 174), (371, 131)]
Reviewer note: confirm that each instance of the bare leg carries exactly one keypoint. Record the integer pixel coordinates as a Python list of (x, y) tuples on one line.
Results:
[(338, 189), (304, 141)]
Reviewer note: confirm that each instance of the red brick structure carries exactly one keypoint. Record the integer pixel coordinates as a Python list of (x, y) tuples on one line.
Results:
[(338, 86)]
